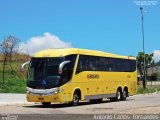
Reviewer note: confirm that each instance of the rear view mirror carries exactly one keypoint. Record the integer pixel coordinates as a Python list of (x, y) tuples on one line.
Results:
[(62, 65), (23, 65)]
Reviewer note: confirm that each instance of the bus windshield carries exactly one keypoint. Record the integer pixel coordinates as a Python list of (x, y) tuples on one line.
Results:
[(44, 72)]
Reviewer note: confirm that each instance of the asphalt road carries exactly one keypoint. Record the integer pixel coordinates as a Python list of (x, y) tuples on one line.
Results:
[(138, 104)]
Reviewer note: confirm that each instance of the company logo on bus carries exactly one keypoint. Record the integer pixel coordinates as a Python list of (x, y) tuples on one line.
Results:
[(92, 76)]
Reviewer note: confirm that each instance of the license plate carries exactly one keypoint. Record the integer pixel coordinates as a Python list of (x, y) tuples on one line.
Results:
[(40, 98)]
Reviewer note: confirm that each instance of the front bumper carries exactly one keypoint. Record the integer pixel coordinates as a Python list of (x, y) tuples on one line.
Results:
[(43, 98)]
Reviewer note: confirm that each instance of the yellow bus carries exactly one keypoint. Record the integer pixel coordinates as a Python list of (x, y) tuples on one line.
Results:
[(71, 75)]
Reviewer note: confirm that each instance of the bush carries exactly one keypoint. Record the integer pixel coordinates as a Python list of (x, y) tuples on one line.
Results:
[(148, 89), (14, 83)]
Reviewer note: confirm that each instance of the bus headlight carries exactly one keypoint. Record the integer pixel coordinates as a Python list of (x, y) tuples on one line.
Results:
[(56, 90), (44, 91)]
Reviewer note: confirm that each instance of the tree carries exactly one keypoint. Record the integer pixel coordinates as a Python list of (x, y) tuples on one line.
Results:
[(140, 62), (8, 47), (143, 68), (149, 61)]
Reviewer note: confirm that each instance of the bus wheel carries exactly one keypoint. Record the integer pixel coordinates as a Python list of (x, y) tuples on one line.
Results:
[(76, 98), (46, 104), (118, 95), (124, 94)]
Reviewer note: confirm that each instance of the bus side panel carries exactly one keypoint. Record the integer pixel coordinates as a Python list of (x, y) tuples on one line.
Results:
[(106, 83)]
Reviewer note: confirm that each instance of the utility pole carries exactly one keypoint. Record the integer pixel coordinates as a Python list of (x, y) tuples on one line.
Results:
[(144, 61)]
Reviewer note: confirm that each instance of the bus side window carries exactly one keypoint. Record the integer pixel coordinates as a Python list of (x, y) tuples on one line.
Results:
[(110, 65), (92, 66), (79, 66), (106, 64), (64, 76), (68, 69)]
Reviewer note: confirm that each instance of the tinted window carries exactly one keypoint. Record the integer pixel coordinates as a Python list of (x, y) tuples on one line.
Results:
[(68, 69), (95, 63), (44, 72)]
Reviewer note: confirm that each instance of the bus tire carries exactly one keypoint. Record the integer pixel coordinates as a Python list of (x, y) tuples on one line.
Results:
[(124, 95), (46, 104), (76, 98), (118, 95)]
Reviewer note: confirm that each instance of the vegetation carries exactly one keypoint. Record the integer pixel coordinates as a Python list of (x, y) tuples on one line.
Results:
[(149, 89), (143, 60), (11, 78), (14, 82), (7, 48)]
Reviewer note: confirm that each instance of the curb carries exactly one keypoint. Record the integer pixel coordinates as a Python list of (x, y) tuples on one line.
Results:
[(158, 92), (16, 103)]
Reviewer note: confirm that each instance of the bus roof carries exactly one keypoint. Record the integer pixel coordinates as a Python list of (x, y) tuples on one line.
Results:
[(68, 51)]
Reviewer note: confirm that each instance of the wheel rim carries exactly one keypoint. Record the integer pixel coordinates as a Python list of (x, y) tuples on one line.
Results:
[(124, 94), (118, 95), (75, 99)]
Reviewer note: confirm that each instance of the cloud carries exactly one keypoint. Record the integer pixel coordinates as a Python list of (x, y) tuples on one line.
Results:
[(45, 41), (156, 56)]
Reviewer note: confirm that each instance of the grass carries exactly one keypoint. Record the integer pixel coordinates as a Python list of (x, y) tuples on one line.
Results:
[(148, 89), (13, 83), (13, 86)]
